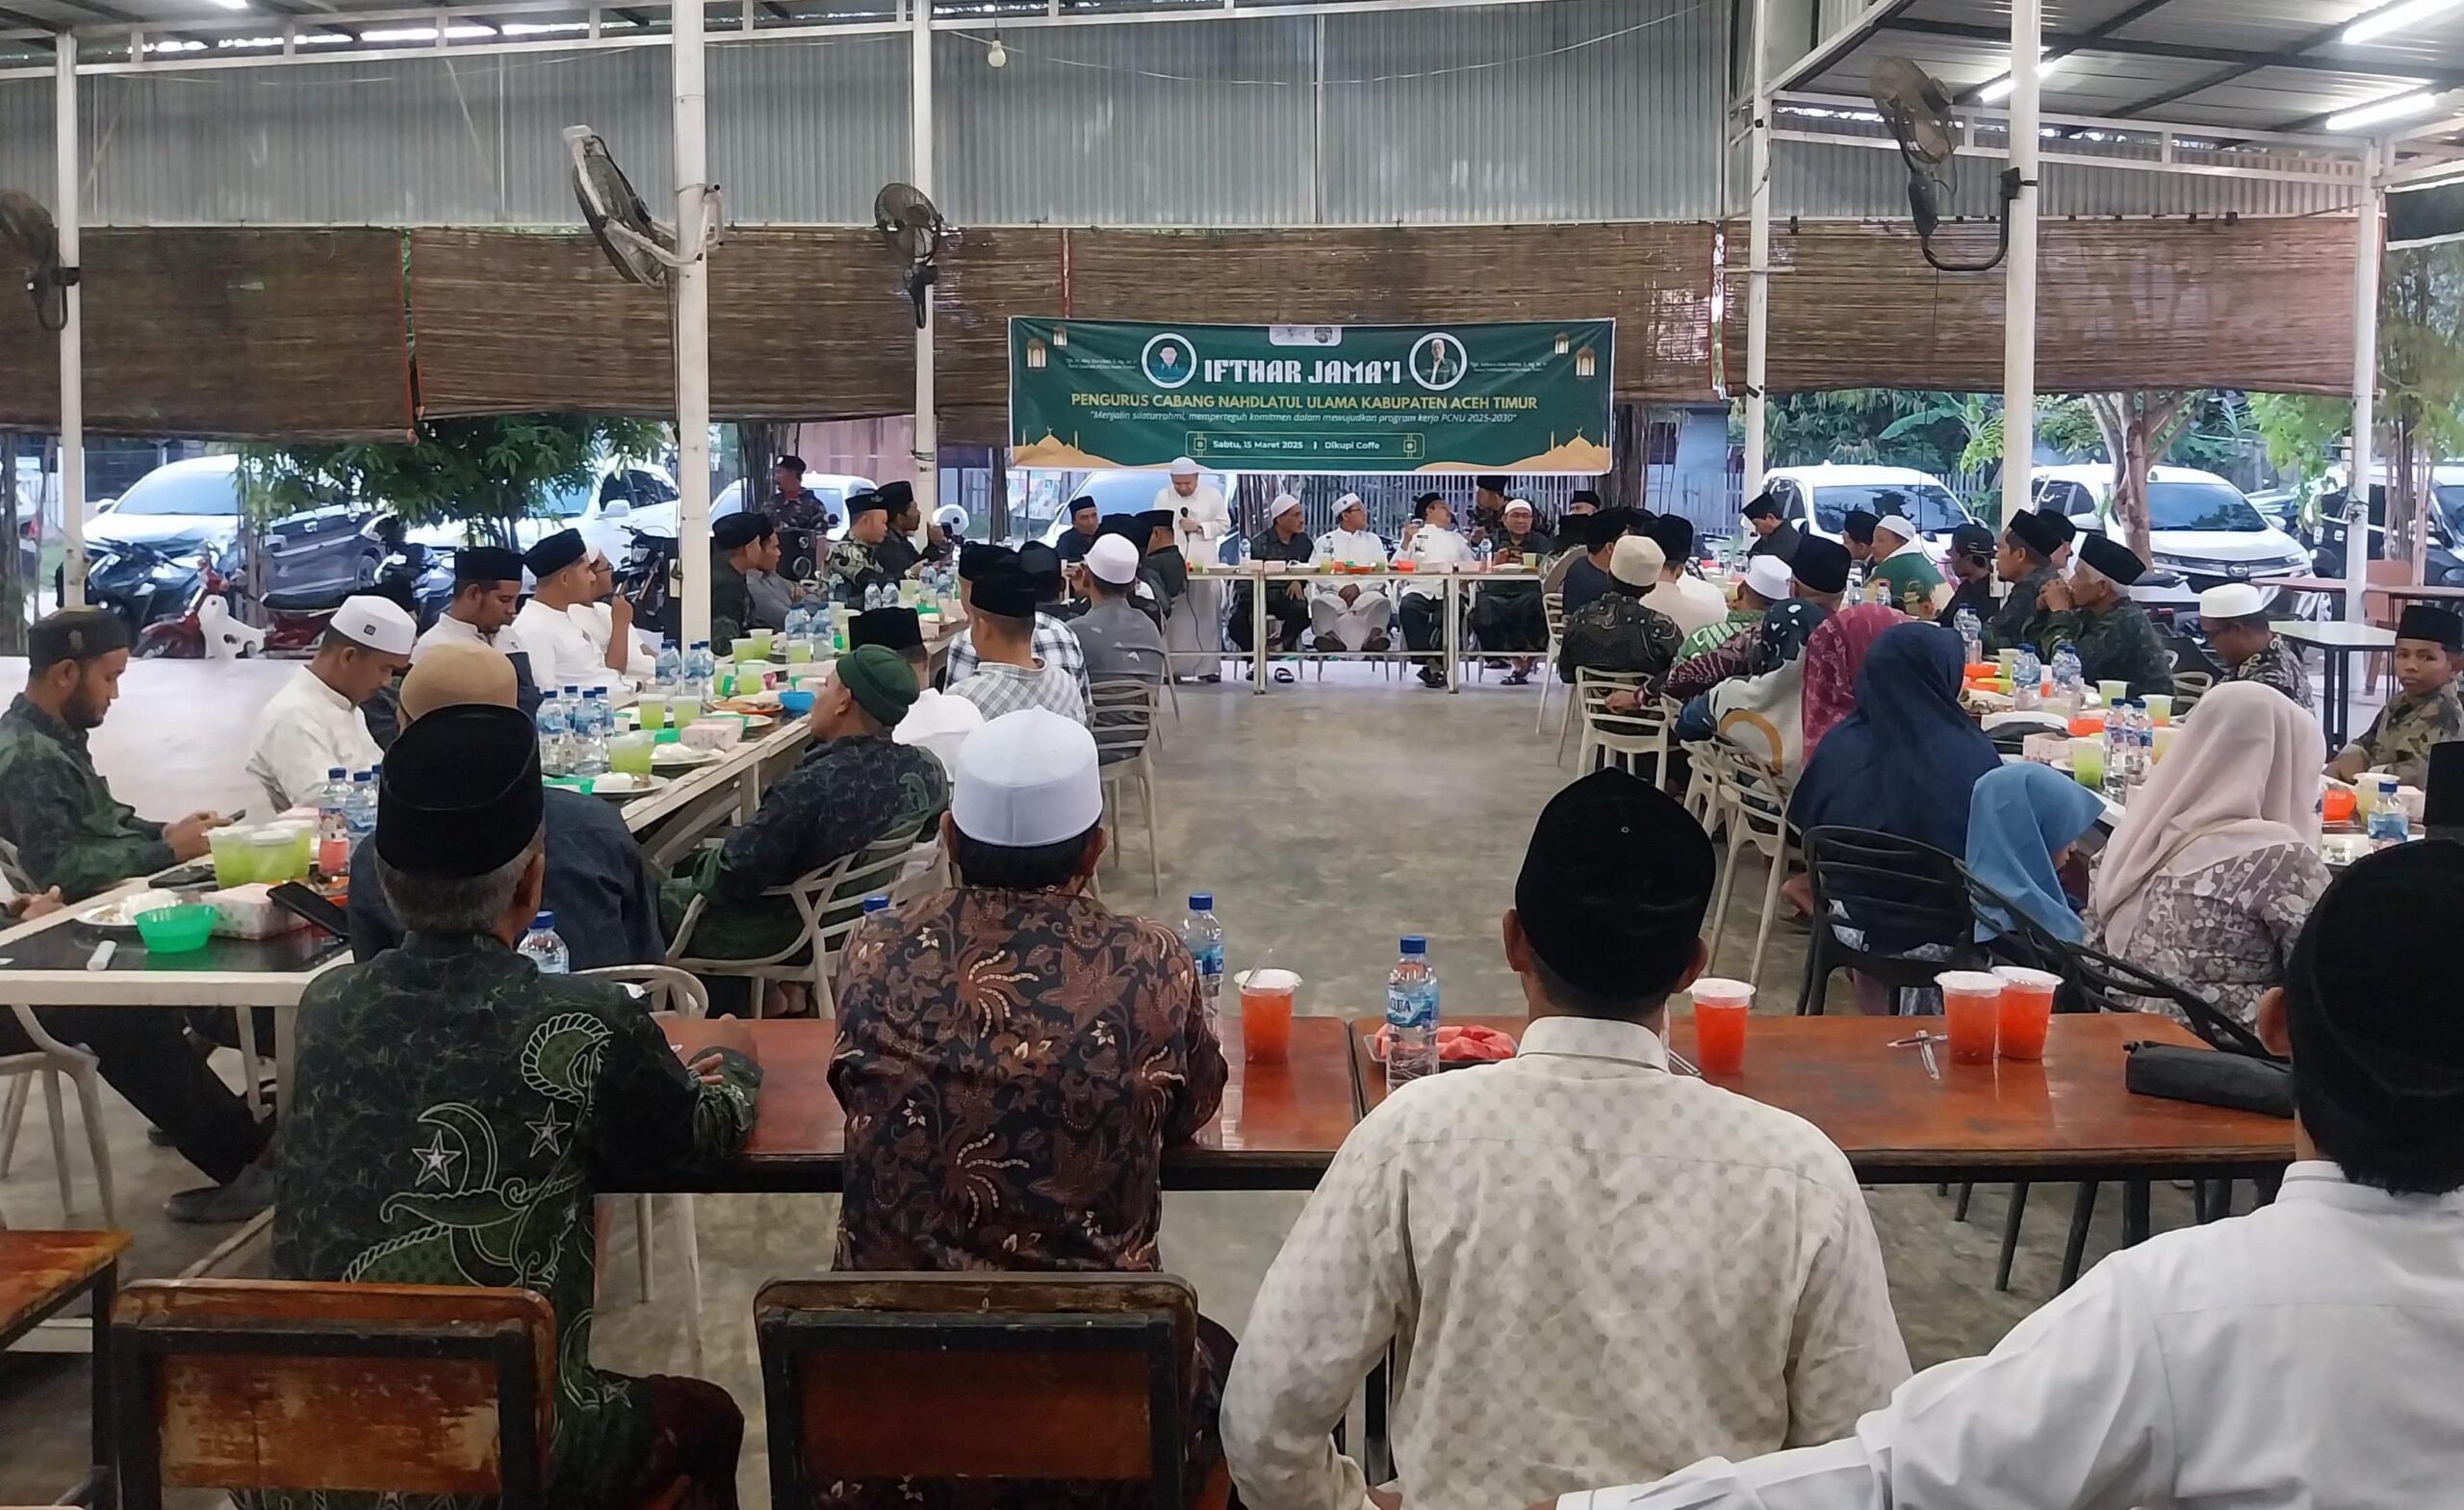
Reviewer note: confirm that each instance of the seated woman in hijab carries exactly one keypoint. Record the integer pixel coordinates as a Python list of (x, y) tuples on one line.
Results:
[(1835, 654), (2215, 867), (1763, 711), (1903, 762), (2024, 823)]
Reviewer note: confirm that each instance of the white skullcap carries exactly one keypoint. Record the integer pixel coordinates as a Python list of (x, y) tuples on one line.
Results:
[(379, 623), (1113, 560), (1349, 500), (1898, 524), (1770, 576), (1282, 502), (1027, 779), (940, 723), (1183, 467), (2232, 600), (1511, 504), (1636, 560)]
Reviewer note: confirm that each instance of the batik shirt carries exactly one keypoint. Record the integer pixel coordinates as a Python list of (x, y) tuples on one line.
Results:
[(2399, 737), (1012, 1065), (2114, 644), (1695, 675), (69, 831), (2278, 665), (2226, 931), (453, 1114), (851, 568), (1618, 633), (1711, 636), (842, 796)]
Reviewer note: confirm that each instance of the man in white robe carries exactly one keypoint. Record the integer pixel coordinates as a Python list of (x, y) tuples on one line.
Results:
[(1352, 615), (1200, 520)]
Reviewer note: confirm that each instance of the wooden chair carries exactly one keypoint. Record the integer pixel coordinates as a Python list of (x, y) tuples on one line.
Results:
[(40, 1273), (1751, 802), (274, 1384), (666, 989), (976, 1376), (1552, 611), (829, 902), (1620, 739), (1124, 730)]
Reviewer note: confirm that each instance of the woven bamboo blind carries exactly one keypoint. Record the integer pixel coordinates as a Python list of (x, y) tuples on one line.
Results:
[(2263, 304), (226, 332)]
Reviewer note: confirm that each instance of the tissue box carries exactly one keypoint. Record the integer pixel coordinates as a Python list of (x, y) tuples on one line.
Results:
[(250, 912), (2045, 749), (713, 733)]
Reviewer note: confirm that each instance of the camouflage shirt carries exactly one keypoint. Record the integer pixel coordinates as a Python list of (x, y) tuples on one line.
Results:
[(2114, 644), (2399, 737), (454, 1111), (850, 569), (2278, 665), (69, 831), (2007, 628), (1618, 633)]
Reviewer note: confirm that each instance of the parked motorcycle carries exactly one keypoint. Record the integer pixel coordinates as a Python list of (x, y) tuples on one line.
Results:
[(648, 576), (144, 585), (205, 628)]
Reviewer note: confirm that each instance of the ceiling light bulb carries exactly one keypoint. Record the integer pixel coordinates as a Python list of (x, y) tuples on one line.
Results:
[(2395, 17), (1999, 89), (2396, 106), (232, 5), (998, 56)]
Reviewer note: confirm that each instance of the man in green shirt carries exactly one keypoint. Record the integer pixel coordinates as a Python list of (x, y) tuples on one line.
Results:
[(456, 1110), (1903, 568), (2093, 612)]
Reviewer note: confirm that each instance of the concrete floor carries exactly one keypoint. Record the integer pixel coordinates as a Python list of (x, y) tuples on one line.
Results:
[(1327, 820)]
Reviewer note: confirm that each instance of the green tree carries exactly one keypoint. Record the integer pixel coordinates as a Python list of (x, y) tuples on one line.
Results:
[(486, 472), (2421, 373), (2301, 432)]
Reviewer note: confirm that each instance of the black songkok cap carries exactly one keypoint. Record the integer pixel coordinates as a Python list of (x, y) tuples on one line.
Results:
[(1582, 495), (1002, 585), (1973, 541), (485, 564), (1859, 526), (1614, 885), (2377, 1050), (865, 503), (1132, 528), (1081, 500), (2039, 532), (2063, 528), (2429, 621), (972, 554), (1604, 529), (1675, 536), (1494, 484), (554, 553), (2117, 562), (1821, 565), (459, 795), (739, 530), (78, 634), (896, 496), (1760, 506), (1042, 565), (891, 628), (1155, 519)]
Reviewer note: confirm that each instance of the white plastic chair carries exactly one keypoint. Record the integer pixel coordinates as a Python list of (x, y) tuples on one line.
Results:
[(1552, 611), (829, 903), (1751, 802), (47, 1061), (1123, 727), (665, 989), (1620, 739)]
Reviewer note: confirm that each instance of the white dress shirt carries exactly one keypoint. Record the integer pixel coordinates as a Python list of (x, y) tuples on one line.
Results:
[(1583, 1260), (450, 630), (562, 654), (1433, 548), (2300, 1358), (1690, 600), (303, 733), (1206, 510), (599, 622)]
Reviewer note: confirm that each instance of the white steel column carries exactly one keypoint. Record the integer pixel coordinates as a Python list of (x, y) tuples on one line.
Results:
[(919, 173), (72, 354), (2019, 273), (692, 322), (2364, 378), (1757, 298)]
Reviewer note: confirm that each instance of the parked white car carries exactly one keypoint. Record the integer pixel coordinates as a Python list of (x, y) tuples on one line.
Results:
[(624, 493), (1818, 499), (2201, 531)]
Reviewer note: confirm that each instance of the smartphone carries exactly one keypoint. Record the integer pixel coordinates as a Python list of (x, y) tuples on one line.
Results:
[(301, 903)]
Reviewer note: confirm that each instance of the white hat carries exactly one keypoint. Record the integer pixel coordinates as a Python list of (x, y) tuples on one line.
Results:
[(1525, 504), (1183, 467), (941, 723), (1898, 524), (1636, 560), (379, 623), (1113, 560), (1027, 779), (2232, 600), (1770, 576), (1349, 500), (1282, 502)]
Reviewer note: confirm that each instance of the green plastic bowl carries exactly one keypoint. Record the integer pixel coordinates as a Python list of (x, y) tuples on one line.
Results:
[(175, 929)]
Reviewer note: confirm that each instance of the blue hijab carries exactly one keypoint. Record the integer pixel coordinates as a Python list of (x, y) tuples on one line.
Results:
[(1906, 757), (2018, 817)]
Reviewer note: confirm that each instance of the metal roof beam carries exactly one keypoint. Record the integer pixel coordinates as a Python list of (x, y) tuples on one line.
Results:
[(1839, 45), (2064, 47), (2242, 60), (2290, 57)]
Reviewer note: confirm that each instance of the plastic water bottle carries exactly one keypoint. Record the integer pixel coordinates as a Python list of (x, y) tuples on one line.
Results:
[(1203, 937), (1411, 1014), (359, 815), (590, 736), (542, 947), (2026, 673), (669, 669), (333, 824), (2121, 750), (1971, 633), (2387, 820), (2142, 743), (555, 742), (2066, 676)]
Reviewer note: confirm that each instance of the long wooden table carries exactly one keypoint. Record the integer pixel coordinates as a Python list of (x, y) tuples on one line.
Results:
[(2065, 1118), (1279, 1128)]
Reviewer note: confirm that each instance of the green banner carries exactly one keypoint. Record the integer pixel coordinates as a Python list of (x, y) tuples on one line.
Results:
[(1529, 397)]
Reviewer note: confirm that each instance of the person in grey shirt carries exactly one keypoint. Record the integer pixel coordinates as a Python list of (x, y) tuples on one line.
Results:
[(1121, 643)]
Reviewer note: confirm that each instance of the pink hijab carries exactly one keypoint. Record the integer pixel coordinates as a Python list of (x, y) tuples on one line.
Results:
[(2243, 776), (1833, 658)]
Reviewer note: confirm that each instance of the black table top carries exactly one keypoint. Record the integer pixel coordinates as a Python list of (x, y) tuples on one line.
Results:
[(68, 946)]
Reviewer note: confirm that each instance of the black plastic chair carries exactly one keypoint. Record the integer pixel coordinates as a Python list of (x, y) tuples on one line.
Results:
[(1896, 892)]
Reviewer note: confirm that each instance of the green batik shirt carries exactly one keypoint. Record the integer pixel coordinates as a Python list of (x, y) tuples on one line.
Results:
[(1909, 578), (69, 831), (2399, 737), (1711, 636), (453, 1114), (2114, 645)]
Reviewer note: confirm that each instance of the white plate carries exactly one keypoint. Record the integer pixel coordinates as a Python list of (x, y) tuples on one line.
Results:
[(634, 786), (681, 755), (757, 723), (120, 916)]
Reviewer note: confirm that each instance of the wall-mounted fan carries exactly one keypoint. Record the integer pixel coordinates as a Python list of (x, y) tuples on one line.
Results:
[(27, 236), (1918, 111), (912, 231), (640, 248)]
